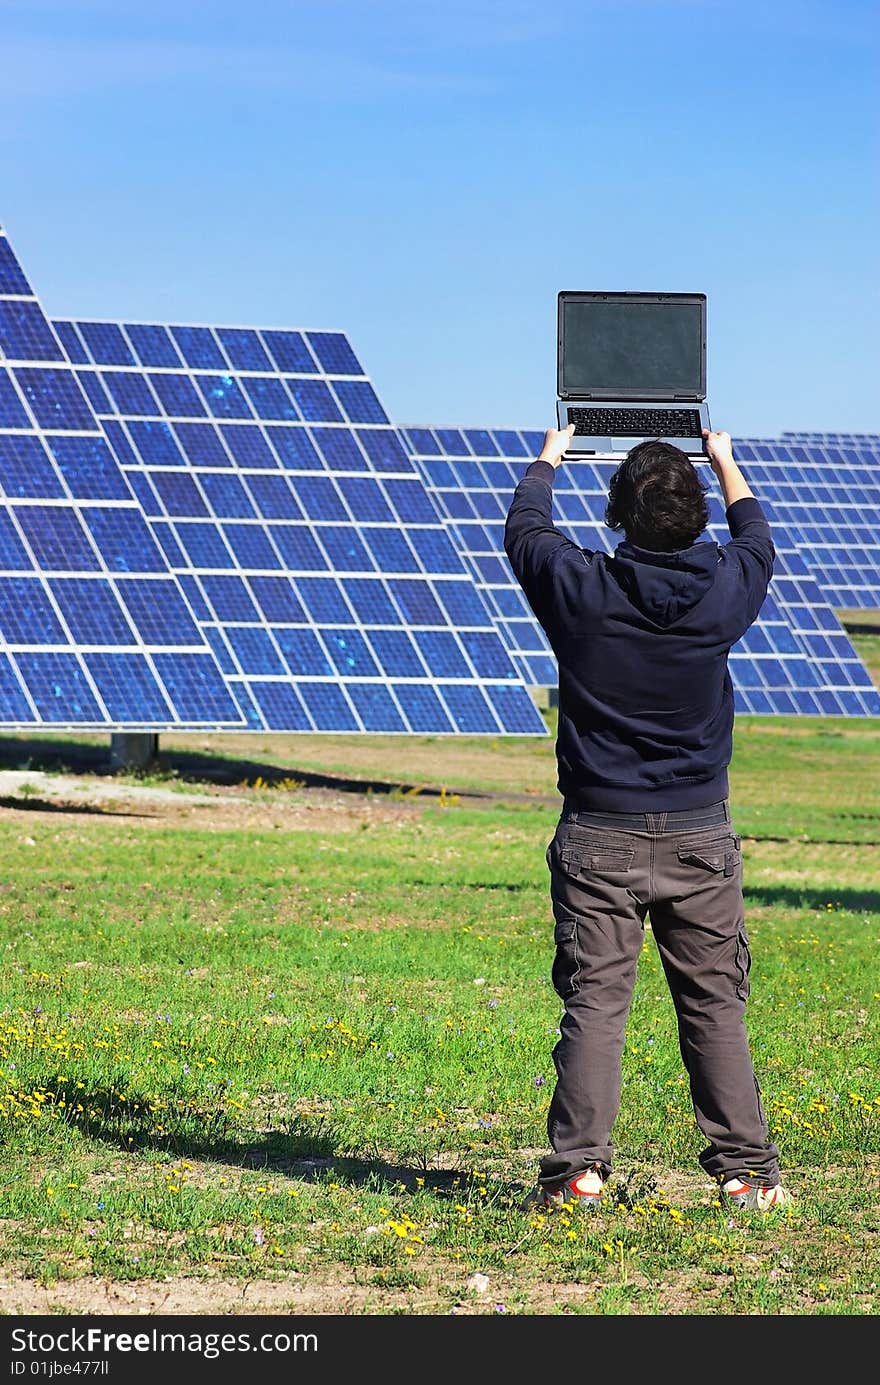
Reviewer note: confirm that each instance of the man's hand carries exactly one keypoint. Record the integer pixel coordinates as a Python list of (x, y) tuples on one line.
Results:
[(718, 448), (556, 441)]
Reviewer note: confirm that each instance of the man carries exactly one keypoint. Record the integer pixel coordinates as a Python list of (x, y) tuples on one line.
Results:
[(641, 639)]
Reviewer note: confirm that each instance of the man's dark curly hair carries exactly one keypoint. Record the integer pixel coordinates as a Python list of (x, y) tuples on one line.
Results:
[(656, 497)]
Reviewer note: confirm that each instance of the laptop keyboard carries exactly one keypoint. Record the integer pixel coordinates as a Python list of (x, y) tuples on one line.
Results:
[(636, 423)]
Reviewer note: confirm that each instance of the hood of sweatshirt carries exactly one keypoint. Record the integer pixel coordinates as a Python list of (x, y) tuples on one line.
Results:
[(664, 586)]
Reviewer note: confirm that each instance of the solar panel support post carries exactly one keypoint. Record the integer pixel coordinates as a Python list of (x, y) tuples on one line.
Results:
[(133, 749), (544, 698)]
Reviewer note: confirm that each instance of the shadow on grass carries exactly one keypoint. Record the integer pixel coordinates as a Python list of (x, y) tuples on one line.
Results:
[(27, 804), (191, 767), (306, 1148), (801, 897)]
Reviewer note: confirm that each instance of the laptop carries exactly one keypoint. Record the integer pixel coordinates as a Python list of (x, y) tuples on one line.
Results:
[(632, 366)]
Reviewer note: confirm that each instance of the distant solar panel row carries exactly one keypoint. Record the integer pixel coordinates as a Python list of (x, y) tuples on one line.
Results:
[(851, 439), (827, 496), (310, 552), (796, 658), (81, 578)]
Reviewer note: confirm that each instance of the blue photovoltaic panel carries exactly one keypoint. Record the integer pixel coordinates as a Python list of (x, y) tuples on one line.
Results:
[(473, 495), (795, 659), (309, 549), (848, 439), (827, 494), (94, 630)]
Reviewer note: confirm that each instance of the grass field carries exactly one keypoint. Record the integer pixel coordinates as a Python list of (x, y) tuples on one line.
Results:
[(276, 1023), (863, 628)]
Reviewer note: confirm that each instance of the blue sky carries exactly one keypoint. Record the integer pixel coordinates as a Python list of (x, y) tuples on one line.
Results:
[(427, 176)]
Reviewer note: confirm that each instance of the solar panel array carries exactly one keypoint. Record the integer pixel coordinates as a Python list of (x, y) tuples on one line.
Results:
[(796, 658), (827, 496), (300, 529), (94, 630), (219, 527)]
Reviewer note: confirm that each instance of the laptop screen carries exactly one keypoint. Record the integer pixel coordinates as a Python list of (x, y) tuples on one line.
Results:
[(632, 347)]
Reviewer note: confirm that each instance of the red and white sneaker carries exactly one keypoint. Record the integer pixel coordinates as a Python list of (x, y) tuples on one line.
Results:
[(585, 1189), (751, 1197)]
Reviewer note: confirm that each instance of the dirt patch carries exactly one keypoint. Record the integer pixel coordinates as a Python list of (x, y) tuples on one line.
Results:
[(191, 1296), (26, 794), (296, 1295)]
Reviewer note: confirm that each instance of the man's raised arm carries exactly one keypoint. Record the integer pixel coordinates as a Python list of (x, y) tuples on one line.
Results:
[(750, 537), (529, 533)]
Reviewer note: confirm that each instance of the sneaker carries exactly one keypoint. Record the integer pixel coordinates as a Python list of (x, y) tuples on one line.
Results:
[(752, 1197), (585, 1189)]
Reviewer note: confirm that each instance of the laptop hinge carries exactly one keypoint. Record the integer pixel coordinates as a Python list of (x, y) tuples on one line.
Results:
[(688, 398)]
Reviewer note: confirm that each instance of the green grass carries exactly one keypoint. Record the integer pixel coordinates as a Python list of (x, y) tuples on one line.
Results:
[(321, 1054), (863, 628)]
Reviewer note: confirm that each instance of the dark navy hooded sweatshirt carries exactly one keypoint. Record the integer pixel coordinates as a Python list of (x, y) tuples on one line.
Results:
[(641, 641)]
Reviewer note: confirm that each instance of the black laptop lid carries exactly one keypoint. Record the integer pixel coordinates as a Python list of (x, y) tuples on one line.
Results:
[(649, 346)]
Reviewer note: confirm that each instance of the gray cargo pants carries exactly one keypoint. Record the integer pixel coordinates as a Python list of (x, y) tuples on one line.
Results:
[(683, 869)]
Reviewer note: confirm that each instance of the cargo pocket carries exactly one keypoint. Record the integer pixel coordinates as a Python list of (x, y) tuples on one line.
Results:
[(566, 965), (709, 858), (578, 856), (743, 964), (719, 857)]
